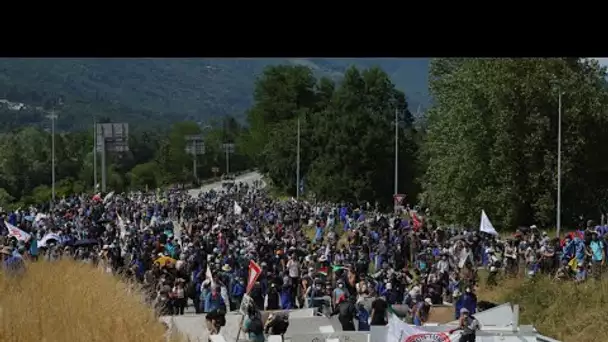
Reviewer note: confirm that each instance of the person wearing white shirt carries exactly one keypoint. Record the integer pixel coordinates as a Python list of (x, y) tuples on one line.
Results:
[(293, 268)]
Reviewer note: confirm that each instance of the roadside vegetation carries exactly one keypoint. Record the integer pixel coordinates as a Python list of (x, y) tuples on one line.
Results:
[(565, 311), (70, 301)]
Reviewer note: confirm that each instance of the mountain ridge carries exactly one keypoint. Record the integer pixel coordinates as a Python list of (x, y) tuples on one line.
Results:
[(160, 91)]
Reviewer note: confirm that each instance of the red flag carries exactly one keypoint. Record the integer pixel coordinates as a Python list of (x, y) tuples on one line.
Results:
[(254, 273), (417, 222)]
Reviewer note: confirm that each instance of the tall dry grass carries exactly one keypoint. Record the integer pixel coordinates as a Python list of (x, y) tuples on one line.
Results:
[(70, 301), (565, 311)]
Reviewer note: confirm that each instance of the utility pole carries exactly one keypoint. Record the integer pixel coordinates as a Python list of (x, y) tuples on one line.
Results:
[(396, 151), (559, 162), (94, 153), (103, 163), (298, 164), (53, 117), (227, 162), (195, 145), (228, 148)]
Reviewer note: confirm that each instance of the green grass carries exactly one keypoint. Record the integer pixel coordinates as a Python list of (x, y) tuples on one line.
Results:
[(565, 311)]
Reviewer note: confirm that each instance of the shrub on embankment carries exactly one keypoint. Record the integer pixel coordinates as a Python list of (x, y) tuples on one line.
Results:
[(565, 311), (70, 301)]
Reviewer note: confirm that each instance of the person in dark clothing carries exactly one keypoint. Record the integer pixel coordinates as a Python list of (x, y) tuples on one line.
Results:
[(346, 312), (257, 296), (277, 324), (215, 320), (379, 307), (273, 299)]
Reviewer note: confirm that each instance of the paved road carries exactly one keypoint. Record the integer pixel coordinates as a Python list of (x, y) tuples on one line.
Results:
[(300, 322), (248, 178)]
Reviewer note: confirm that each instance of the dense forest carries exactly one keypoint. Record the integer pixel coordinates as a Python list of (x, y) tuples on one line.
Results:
[(489, 141)]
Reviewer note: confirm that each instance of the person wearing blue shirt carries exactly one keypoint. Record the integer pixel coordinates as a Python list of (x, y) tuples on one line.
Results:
[(469, 301), (286, 298), (362, 318), (213, 300), (12, 262), (237, 293), (457, 304)]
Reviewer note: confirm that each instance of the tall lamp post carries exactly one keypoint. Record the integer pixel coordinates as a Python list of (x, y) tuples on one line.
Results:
[(53, 116), (559, 162), (298, 162)]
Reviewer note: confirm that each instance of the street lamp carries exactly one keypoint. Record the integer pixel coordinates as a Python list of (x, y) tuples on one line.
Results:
[(556, 85), (298, 162), (559, 161), (53, 116)]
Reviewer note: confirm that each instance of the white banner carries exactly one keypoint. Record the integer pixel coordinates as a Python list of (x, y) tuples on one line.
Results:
[(399, 331), (17, 233)]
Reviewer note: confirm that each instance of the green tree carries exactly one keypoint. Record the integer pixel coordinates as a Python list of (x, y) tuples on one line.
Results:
[(354, 137), (5, 198), (280, 93), (492, 138)]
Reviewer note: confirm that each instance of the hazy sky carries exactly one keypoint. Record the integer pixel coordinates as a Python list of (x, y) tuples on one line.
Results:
[(603, 61)]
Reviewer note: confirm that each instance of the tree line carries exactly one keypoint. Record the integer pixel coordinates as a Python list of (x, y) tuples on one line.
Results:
[(155, 158), (489, 142)]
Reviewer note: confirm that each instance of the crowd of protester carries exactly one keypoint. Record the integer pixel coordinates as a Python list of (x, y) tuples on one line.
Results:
[(344, 259)]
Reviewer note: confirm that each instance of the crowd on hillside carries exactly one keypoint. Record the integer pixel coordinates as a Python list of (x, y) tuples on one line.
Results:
[(345, 259)]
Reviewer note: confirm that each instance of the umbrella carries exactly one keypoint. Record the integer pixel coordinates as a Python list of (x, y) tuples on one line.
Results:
[(165, 260), (86, 242)]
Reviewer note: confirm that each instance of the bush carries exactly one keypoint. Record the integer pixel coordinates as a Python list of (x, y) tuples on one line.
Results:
[(565, 311)]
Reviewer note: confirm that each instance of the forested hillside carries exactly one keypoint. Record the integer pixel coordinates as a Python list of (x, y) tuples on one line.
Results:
[(155, 92)]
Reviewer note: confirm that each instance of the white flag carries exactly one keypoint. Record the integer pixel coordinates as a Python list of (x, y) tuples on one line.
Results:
[(17, 233), (485, 225), (237, 209), (209, 276), (122, 226)]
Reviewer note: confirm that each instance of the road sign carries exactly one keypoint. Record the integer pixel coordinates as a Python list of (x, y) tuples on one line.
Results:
[(398, 198), (195, 145), (254, 273), (215, 169), (112, 137), (228, 148)]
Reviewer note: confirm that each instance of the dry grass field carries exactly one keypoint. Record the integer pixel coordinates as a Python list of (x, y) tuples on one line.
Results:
[(69, 301), (566, 311)]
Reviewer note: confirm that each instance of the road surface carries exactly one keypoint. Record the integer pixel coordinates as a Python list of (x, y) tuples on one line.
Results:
[(248, 178)]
